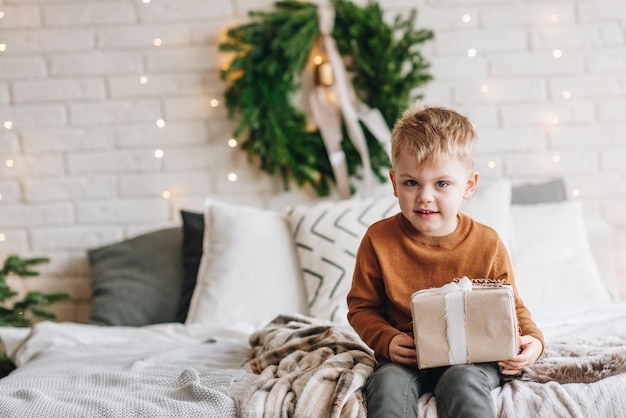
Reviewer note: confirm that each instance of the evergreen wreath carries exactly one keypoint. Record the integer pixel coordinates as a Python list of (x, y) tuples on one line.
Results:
[(269, 55)]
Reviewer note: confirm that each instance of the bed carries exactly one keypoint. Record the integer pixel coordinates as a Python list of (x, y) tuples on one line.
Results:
[(241, 311)]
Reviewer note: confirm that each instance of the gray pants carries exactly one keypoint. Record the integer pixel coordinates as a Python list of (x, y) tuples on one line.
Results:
[(462, 390)]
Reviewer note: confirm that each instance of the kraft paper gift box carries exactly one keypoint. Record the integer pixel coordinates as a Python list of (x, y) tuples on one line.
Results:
[(461, 323)]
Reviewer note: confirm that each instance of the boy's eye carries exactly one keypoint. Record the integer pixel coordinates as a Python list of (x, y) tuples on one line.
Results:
[(411, 183), (441, 183)]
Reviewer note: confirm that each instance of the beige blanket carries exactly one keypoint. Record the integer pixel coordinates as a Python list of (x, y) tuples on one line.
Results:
[(308, 368)]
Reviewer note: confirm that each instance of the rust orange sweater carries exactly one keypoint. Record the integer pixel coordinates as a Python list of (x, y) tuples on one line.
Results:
[(395, 260)]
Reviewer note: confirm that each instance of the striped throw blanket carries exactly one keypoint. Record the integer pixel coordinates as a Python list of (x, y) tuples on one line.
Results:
[(307, 368)]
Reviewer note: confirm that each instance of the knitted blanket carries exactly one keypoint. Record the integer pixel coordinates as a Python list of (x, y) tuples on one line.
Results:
[(307, 369)]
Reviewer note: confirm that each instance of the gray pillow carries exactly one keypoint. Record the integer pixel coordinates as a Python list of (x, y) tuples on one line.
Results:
[(533, 193), (137, 281)]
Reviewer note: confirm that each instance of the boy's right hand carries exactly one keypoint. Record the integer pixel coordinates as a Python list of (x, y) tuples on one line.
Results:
[(402, 350)]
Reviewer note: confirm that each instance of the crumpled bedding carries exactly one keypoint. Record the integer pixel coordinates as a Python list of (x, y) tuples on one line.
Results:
[(74, 370)]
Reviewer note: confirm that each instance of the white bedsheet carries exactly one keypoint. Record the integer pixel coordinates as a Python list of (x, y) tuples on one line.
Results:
[(168, 370)]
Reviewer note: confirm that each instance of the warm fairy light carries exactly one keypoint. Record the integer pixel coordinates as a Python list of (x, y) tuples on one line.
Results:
[(556, 158), (484, 88), (557, 53), (1, 14), (159, 153), (214, 102), (9, 163), (8, 124), (160, 123), (576, 192), (3, 47), (2, 237), (143, 79), (554, 17), (317, 60), (491, 164), (166, 194), (232, 177), (232, 142), (0, 196), (158, 42), (146, 1), (567, 94), (467, 18), (471, 52), (554, 120)]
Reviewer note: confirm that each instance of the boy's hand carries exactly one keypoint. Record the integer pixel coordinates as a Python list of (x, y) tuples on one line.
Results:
[(402, 350), (531, 350)]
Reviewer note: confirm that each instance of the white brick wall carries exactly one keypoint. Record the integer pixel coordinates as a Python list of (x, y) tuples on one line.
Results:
[(84, 129)]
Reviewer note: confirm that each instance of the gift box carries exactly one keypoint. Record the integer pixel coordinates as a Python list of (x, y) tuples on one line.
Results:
[(462, 323)]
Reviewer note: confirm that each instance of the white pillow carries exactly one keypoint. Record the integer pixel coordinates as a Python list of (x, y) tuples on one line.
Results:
[(491, 205), (327, 236), (249, 271), (554, 263)]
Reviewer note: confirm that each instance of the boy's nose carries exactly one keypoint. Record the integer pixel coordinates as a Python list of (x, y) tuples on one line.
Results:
[(425, 195)]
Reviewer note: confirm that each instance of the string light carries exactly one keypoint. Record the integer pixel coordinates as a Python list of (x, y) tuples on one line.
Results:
[(471, 52), (0, 196), (317, 60), (8, 124), (214, 103), (9, 163), (158, 153), (166, 194), (484, 88), (3, 47), (1, 14), (146, 1), (554, 17), (143, 79), (2, 237), (554, 120), (567, 94), (467, 18), (556, 158), (157, 42), (557, 53), (232, 177), (491, 164), (232, 142), (160, 123), (576, 192)]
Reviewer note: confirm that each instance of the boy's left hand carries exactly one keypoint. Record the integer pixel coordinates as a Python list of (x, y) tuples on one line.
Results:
[(531, 350)]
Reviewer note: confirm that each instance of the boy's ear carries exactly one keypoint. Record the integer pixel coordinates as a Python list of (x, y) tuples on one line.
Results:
[(392, 177), (472, 181)]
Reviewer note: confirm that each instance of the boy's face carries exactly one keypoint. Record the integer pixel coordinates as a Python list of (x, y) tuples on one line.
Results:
[(430, 195)]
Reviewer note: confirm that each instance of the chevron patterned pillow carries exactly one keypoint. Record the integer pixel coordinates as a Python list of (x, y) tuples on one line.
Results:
[(327, 235)]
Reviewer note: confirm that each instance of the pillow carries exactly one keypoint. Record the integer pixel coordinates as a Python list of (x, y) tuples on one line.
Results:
[(490, 205), (193, 232), (249, 270), (554, 263), (532, 193), (137, 281), (327, 235)]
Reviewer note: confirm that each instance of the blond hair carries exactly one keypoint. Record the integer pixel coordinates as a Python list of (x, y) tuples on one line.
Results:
[(433, 133)]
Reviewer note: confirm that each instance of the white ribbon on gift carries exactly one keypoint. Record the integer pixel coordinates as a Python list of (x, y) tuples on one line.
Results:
[(328, 114), (455, 317)]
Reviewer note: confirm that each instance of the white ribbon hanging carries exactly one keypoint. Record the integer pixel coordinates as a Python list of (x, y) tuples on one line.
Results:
[(328, 114), (455, 317)]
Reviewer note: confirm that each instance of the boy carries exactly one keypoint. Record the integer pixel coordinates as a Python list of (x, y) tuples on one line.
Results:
[(428, 244)]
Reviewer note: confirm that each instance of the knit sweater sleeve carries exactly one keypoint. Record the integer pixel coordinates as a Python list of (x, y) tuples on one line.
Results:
[(366, 301)]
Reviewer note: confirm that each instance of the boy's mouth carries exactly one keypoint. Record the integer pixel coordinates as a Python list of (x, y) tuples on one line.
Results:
[(426, 212)]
